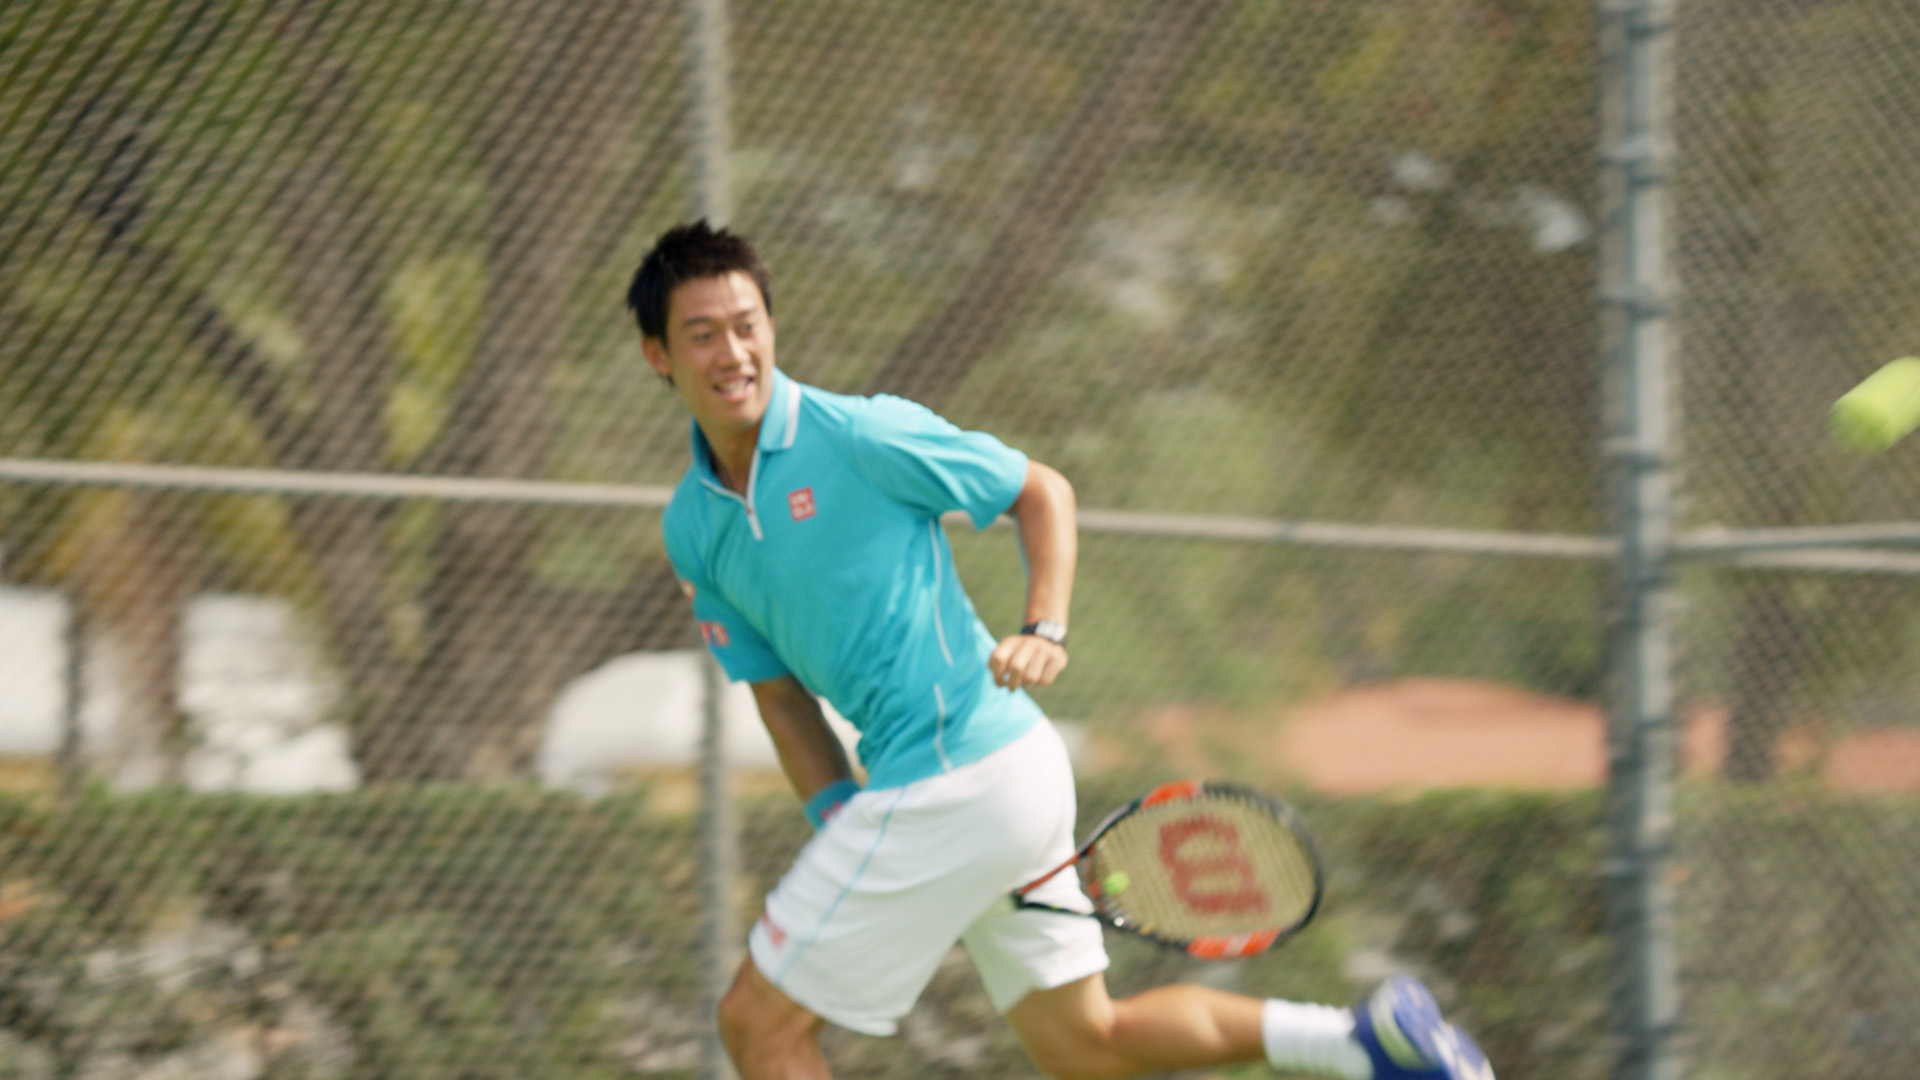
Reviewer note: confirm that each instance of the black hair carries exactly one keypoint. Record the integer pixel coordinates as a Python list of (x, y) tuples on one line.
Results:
[(686, 253)]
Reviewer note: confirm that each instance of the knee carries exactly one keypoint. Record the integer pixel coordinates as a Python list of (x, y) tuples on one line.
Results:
[(747, 1027), (736, 1018), (761, 1029)]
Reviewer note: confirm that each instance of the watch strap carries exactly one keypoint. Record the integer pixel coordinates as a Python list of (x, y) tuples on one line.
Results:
[(1047, 630)]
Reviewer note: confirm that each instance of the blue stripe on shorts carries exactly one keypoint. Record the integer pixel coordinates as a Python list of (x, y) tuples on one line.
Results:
[(821, 926)]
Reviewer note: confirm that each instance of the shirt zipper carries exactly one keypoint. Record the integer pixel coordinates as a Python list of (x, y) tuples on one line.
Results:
[(753, 474)]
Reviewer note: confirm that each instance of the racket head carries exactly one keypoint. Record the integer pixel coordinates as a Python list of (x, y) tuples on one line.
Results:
[(1215, 870)]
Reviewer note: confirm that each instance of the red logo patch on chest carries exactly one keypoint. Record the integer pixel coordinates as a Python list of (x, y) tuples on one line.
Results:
[(801, 503)]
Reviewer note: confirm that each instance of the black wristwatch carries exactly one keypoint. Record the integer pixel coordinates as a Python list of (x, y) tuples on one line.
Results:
[(1047, 630)]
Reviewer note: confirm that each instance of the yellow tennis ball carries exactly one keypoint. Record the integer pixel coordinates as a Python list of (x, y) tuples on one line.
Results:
[(1115, 882), (1880, 411)]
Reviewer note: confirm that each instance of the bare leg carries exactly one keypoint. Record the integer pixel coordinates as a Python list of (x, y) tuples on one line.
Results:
[(768, 1035), (1077, 1032)]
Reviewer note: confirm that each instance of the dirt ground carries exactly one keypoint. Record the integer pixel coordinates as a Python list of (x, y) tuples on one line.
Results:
[(1415, 733)]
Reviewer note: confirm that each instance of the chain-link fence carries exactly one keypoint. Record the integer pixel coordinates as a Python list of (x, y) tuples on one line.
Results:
[(1795, 241), (345, 692)]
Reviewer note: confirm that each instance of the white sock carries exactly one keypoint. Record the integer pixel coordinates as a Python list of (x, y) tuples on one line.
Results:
[(1312, 1038)]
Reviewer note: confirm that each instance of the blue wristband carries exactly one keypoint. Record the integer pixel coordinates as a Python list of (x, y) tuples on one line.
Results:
[(828, 800)]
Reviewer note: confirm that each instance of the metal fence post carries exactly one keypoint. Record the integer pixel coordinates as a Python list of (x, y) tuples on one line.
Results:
[(719, 855), (708, 74), (1637, 297)]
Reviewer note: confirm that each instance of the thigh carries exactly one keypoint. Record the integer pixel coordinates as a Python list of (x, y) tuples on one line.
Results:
[(839, 936), (1019, 950), (859, 924), (1063, 1022)]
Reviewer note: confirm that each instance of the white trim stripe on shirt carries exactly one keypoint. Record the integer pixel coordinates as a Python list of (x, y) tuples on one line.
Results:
[(940, 730), (793, 414), (939, 627)]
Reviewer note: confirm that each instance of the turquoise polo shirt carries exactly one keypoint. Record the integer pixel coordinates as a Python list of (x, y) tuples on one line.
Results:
[(834, 569)]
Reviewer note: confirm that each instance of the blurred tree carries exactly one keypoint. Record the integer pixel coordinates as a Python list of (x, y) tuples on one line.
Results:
[(360, 179), (935, 357)]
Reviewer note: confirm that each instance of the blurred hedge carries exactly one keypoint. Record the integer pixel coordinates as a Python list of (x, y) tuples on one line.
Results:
[(503, 933)]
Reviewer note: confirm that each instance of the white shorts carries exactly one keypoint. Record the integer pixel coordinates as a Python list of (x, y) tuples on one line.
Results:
[(857, 927)]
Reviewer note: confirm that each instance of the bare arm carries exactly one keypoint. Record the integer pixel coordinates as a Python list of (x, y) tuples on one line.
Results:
[(1049, 538), (810, 753)]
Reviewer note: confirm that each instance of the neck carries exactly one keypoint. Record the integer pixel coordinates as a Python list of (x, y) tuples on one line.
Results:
[(732, 457)]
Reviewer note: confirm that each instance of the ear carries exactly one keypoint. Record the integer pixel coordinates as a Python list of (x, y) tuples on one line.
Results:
[(656, 354)]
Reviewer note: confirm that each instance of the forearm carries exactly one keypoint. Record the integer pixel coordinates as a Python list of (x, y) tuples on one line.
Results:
[(810, 753), (1049, 538)]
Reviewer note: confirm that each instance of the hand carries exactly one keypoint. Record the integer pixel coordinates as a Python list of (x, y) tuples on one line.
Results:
[(1025, 660)]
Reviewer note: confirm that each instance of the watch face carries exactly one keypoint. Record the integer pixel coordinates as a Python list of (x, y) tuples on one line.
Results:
[(1050, 630)]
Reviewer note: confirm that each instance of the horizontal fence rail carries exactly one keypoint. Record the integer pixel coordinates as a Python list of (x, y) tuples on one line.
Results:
[(1833, 549)]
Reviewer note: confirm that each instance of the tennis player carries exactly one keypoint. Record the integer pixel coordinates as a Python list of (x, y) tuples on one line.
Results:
[(807, 535)]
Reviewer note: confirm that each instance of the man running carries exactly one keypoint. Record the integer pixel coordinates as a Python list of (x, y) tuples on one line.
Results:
[(807, 535)]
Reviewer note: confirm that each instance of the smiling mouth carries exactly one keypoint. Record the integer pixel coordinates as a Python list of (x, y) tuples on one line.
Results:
[(735, 389)]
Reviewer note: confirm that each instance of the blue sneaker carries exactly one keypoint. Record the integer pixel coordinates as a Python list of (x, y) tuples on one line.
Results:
[(1404, 1036)]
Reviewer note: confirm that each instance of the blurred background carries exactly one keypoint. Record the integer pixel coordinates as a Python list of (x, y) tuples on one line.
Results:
[(351, 724)]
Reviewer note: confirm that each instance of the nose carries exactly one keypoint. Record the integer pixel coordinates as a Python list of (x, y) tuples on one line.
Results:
[(737, 347)]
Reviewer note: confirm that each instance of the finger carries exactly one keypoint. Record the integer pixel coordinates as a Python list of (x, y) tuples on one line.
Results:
[(997, 661), (1022, 666), (1051, 661), (1019, 658), (1017, 669), (1005, 663)]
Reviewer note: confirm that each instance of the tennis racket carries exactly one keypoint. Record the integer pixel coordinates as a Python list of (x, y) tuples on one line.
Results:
[(1216, 871)]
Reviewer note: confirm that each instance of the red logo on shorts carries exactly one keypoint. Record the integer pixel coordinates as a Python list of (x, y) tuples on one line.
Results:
[(713, 633), (774, 933), (801, 503)]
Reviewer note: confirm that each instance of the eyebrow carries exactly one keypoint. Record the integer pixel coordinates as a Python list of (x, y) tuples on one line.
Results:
[(742, 313)]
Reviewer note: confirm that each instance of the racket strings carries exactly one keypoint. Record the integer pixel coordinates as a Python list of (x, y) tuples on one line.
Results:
[(1216, 865)]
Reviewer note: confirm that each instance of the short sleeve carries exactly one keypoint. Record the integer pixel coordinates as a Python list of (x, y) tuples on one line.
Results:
[(742, 652), (923, 460)]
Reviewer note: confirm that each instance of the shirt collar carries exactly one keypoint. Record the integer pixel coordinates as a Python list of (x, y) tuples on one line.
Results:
[(782, 421), (777, 428)]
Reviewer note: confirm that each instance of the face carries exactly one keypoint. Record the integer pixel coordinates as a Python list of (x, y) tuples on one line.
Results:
[(719, 353)]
